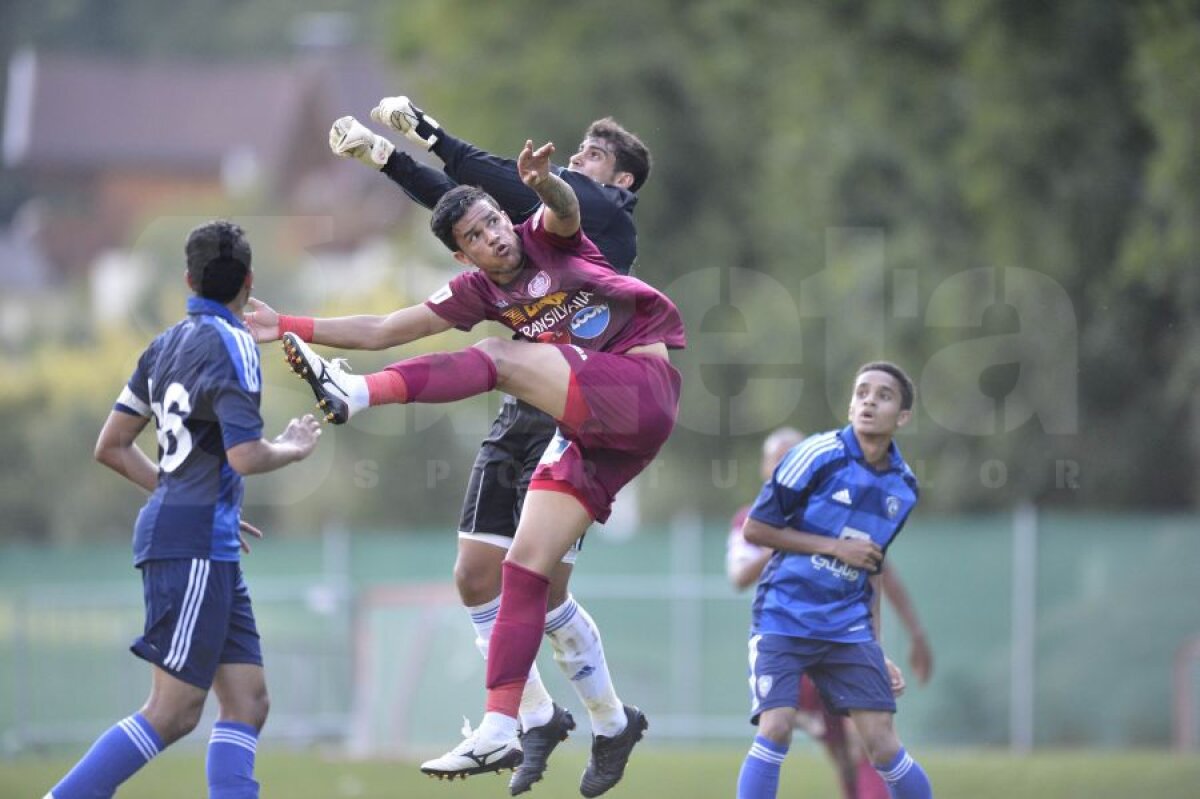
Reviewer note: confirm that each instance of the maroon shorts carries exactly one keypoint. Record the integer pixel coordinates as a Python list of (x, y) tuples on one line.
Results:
[(620, 410)]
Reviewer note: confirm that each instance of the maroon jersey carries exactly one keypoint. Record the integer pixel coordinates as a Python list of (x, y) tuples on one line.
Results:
[(566, 294)]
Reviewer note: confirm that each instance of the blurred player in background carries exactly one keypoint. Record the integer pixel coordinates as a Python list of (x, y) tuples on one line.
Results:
[(592, 351), (200, 382), (609, 167), (829, 512), (744, 562)]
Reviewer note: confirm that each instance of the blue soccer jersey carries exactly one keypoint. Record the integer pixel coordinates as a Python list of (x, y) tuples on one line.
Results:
[(201, 382), (825, 486)]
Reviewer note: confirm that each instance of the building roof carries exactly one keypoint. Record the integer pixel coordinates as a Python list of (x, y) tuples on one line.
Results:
[(67, 112)]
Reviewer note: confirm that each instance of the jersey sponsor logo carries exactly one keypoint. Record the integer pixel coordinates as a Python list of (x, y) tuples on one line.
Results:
[(553, 301), (836, 567), (441, 295), (515, 317), (842, 496), (590, 322), (557, 307), (539, 285), (764, 685), (582, 352), (892, 506)]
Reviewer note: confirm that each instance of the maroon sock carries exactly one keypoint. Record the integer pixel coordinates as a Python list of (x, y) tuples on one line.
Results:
[(386, 387), (516, 636), (870, 784), (446, 376)]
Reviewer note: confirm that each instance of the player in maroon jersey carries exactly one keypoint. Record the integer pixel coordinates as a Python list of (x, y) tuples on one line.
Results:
[(592, 351)]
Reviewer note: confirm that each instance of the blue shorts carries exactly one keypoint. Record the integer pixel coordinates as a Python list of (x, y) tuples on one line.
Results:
[(198, 616), (849, 676)]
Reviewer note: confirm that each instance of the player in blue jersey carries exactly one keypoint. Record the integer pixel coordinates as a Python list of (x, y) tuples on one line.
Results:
[(605, 173), (200, 382), (830, 511)]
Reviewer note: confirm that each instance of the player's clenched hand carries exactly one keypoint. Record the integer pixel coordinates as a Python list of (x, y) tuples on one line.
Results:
[(244, 529), (262, 320), (896, 677), (859, 553), (301, 434), (534, 165), (349, 138)]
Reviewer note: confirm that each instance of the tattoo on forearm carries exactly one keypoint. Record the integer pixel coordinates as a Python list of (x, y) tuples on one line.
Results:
[(558, 197)]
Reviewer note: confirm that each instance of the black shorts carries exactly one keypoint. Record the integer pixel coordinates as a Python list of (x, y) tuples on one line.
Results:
[(503, 466)]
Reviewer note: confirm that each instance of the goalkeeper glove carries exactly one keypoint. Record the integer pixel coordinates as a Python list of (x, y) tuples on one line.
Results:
[(399, 114), (349, 138)]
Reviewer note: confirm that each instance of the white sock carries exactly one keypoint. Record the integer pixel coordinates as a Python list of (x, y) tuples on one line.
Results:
[(358, 397), (536, 704), (580, 654), (496, 728)]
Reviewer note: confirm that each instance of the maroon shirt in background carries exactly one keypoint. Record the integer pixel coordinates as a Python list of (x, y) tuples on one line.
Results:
[(566, 294)]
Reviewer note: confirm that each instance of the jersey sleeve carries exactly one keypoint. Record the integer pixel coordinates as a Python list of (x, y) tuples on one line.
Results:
[(577, 243), (460, 302), (784, 497), (135, 396), (236, 387)]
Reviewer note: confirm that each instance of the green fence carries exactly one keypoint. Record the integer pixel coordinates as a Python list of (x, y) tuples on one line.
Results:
[(366, 646)]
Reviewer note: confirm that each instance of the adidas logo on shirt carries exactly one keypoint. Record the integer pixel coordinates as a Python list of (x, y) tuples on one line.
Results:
[(842, 496)]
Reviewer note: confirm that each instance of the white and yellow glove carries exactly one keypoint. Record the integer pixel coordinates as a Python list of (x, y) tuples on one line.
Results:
[(399, 114), (349, 138)]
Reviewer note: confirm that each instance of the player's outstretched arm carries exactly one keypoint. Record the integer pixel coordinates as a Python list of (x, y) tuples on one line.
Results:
[(562, 206), (464, 163), (117, 449), (364, 332), (295, 443)]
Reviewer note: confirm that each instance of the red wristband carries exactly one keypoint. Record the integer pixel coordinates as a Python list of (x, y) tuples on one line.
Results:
[(302, 326)]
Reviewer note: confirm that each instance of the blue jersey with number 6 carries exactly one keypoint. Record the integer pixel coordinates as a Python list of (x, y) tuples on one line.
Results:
[(201, 382)]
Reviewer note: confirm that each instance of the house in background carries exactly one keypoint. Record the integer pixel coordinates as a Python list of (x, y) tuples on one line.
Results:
[(106, 146)]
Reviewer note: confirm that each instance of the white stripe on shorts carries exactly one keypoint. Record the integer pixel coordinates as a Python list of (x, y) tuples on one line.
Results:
[(185, 625), (505, 542)]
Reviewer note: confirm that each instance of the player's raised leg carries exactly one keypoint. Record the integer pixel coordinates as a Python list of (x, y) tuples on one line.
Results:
[(535, 373)]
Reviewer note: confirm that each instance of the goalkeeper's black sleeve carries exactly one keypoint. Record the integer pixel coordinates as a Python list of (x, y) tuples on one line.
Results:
[(424, 184)]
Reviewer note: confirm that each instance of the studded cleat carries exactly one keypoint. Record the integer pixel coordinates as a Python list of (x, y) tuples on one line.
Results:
[(335, 388), (473, 756), (537, 745), (606, 766)]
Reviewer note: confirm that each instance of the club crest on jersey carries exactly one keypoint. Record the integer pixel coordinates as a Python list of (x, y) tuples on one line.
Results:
[(539, 285), (764, 685), (590, 322), (892, 505)]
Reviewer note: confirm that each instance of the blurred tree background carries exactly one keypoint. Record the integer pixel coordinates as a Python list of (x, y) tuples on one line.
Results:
[(1001, 196)]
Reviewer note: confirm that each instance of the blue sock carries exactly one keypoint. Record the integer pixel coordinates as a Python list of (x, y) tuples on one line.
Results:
[(905, 777), (231, 761), (114, 757), (759, 778)]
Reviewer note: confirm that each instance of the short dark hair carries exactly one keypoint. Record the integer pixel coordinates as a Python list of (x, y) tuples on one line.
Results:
[(218, 260), (907, 392), (451, 207), (631, 154)]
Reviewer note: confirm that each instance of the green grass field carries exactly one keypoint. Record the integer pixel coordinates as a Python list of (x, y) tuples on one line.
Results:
[(693, 773)]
